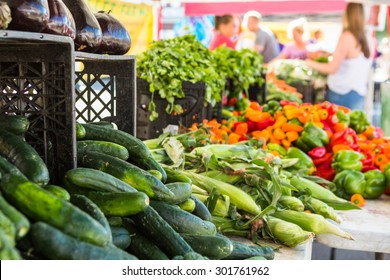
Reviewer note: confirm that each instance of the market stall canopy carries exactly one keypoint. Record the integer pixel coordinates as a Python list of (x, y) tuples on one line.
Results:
[(219, 7)]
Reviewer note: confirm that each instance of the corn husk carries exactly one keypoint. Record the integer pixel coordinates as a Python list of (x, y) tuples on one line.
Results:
[(287, 233), (323, 209), (222, 206), (291, 202)]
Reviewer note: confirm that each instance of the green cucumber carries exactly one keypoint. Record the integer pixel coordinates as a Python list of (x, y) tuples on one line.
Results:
[(58, 191), (89, 207), (193, 256), (115, 221), (155, 228), (14, 123), (103, 147), (20, 222), (256, 258), (7, 248), (182, 221), (7, 227), (181, 191), (243, 251), (120, 204), (80, 131), (149, 163), (188, 205), (120, 237), (212, 246), (136, 177), (41, 205), (24, 157), (156, 174), (201, 210), (174, 176), (142, 247), (8, 168), (105, 124), (96, 180), (56, 245)]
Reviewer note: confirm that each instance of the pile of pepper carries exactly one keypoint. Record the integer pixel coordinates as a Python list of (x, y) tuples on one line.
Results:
[(336, 143)]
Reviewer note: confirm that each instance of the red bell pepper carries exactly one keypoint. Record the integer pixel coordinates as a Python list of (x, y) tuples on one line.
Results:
[(368, 168), (325, 171), (317, 152), (243, 138), (264, 124), (346, 137), (327, 158), (286, 102), (368, 160), (252, 126), (327, 126), (232, 101)]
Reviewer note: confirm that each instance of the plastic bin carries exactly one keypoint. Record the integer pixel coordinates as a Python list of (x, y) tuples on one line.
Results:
[(37, 81), (308, 92), (105, 89), (193, 106)]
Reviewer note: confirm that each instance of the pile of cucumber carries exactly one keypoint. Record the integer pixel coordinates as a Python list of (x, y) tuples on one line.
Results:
[(118, 204)]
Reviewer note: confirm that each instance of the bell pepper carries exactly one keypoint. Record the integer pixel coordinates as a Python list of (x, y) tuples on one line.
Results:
[(387, 177), (327, 158), (252, 126), (358, 121), (349, 182), (347, 160), (367, 159), (276, 147), (305, 163), (342, 117), (312, 136), (346, 137), (325, 170), (242, 104), (271, 107), (296, 122), (264, 124), (317, 152), (375, 184)]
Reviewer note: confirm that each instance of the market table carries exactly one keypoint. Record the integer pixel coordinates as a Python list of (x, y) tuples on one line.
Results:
[(369, 226)]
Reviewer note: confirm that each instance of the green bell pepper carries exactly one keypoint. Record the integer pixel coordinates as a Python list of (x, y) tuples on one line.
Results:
[(272, 107), (349, 182), (312, 137), (358, 121), (375, 184), (242, 104), (276, 147), (347, 160), (295, 121), (305, 163), (342, 117)]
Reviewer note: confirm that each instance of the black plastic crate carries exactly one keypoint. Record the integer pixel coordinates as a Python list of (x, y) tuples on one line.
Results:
[(105, 89), (193, 106), (308, 92), (37, 81)]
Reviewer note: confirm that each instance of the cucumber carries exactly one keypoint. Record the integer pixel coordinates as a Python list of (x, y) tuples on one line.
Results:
[(212, 246), (105, 124), (41, 205), (188, 205), (58, 191), (115, 221), (182, 221), (8, 168), (24, 157), (120, 204), (201, 210), (243, 251), (80, 131), (89, 207), (7, 249), (193, 256), (181, 191), (138, 151), (173, 176), (20, 222), (15, 124), (103, 147), (142, 247), (7, 227), (120, 237), (256, 258), (57, 245), (149, 163), (136, 177), (156, 174), (92, 179), (155, 228)]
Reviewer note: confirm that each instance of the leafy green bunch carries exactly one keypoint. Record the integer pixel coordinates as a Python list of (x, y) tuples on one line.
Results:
[(167, 63)]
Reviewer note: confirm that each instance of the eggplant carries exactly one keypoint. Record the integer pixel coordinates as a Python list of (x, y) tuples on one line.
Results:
[(61, 21), (116, 39), (88, 33), (5, 15), (29, 15)]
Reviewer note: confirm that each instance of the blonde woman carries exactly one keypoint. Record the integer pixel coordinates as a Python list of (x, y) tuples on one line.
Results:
[(349, 69), (297, 30)]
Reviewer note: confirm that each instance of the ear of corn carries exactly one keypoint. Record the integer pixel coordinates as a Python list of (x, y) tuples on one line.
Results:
[(291, 202), (287, 233), (311, 222), (321, 208), (221, 176)]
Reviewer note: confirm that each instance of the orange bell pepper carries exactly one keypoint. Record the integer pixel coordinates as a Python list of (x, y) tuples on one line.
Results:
[(323, 114), (279, 134), (303, 118), (292, 136), (264, 134), (241, 129), (272, 139), (319, 124), (286, 143), (340, 147), (340, 127), (255, 106), (287, 127), (279, 122), (380, 159), (362, 138), (233, 138)]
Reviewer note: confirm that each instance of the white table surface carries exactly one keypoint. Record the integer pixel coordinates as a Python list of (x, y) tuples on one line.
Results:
[(369, 226)]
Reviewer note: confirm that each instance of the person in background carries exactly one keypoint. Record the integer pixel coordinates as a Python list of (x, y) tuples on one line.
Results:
[(225, 30), (317, 37), (349, 69), (265, 41), (297, 30)]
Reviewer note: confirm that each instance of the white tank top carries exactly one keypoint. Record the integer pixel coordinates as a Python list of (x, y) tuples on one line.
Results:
[(352, 75)]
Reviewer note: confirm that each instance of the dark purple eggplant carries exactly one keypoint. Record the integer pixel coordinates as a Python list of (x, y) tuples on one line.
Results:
[(29, 15), (116, 39), (5, 15), (61, 21), (88, 33)]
